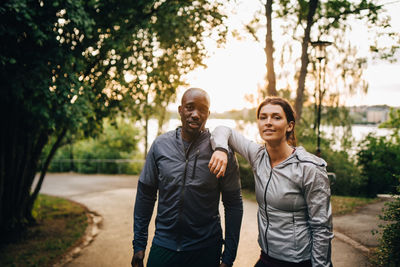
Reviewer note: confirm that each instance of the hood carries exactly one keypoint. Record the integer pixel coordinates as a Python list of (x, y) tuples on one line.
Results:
[(301, 155)]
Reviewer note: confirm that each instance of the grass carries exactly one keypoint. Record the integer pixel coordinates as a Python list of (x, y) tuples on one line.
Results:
[(344, 205), (340, 204), (61, 224)]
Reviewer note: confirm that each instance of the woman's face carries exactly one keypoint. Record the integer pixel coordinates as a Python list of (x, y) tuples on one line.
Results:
[(273, 125)]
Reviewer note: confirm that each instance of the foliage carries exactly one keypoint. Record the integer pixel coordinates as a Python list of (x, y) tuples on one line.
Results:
[(61, 224), (348, 180), (388, 251), (393, 123), (65, 66), (305, 21), (379, 159), (118, 141), (246, 174)]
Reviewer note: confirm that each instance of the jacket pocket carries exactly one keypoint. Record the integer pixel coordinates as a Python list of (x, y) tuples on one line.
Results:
[(302, 235)]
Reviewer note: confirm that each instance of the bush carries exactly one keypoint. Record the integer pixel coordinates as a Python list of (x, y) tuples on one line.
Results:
[(388, 251), (111, 152), (379, 159), (246, 174), (348, 180)]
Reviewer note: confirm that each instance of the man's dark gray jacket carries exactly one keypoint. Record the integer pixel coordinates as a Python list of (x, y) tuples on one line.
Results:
[(188, 197)]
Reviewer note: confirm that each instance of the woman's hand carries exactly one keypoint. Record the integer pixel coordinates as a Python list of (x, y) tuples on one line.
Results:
[(218, 162)]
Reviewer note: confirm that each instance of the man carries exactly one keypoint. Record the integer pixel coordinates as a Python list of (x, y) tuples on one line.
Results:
[(188, 229)]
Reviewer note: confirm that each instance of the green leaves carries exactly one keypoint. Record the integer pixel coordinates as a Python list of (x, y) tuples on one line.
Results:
[(388, 251), (63, 65), (379, 159), (393, 123)]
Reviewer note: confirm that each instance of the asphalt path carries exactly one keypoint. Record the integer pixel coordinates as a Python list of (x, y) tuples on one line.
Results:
[(112, 197)]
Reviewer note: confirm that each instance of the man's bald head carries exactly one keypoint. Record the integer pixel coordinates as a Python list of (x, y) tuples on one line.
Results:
[(196, 92)]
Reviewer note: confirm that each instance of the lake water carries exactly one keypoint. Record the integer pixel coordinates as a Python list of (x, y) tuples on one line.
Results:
[(250, 130)]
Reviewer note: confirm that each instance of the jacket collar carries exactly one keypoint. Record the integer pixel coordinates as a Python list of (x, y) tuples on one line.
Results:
[(300, 155), (203, 134)]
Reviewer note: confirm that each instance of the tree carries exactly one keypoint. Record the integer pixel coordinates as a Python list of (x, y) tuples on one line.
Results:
[(304, 21), (269, 51), (64, 66)]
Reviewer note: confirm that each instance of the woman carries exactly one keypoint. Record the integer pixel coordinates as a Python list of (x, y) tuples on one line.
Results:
[(292, 188)]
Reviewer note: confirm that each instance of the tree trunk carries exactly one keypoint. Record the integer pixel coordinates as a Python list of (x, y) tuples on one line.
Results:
[(21, 145), (161, 120), (146, 133), (312, 7), (163, 115), (33, 196), (71, 155), (269, 51)]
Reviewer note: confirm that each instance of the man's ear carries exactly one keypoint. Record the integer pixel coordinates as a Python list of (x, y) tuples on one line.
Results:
[(180, 109)]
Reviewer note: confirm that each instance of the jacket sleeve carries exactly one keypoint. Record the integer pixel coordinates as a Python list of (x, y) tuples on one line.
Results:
[(317, 195), (223, 136), (144, 204), (233, 207)]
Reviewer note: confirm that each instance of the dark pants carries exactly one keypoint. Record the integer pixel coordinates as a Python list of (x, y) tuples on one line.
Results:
[(163, 257), (267, 261)]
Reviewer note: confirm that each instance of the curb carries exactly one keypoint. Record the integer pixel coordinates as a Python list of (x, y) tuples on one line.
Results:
[(352, 242), (388, 196), (92, 230)]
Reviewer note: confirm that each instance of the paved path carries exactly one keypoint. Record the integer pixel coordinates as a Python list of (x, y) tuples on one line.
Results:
[(113, 197), (354, 226)]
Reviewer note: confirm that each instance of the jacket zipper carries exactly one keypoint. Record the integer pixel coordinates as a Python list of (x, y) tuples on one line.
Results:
[(195, 163), (266, 212), (182, 198)]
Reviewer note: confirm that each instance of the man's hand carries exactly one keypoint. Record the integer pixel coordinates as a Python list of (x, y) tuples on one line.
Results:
[(218, 163), (137, 259)]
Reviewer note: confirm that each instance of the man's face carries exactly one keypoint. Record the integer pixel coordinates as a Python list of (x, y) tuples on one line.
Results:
[(194, 113)]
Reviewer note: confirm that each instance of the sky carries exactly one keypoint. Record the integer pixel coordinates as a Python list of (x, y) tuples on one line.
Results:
[(239, 68)]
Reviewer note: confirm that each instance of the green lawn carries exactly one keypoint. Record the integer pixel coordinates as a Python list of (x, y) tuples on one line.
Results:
[(342, 205), (61, 224)]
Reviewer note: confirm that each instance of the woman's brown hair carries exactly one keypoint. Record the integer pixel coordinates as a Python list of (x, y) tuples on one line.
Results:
[(289, 112)]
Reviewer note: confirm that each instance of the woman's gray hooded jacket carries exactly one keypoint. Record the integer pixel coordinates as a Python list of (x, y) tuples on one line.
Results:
[(294, 214)]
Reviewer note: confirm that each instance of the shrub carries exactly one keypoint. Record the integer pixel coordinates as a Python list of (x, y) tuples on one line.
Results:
[(388, 251), (246, 174), (104, 153), (348, 180), (379, 159)]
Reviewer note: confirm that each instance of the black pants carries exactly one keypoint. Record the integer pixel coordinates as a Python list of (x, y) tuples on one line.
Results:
[(267, 261), (163, 257)]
